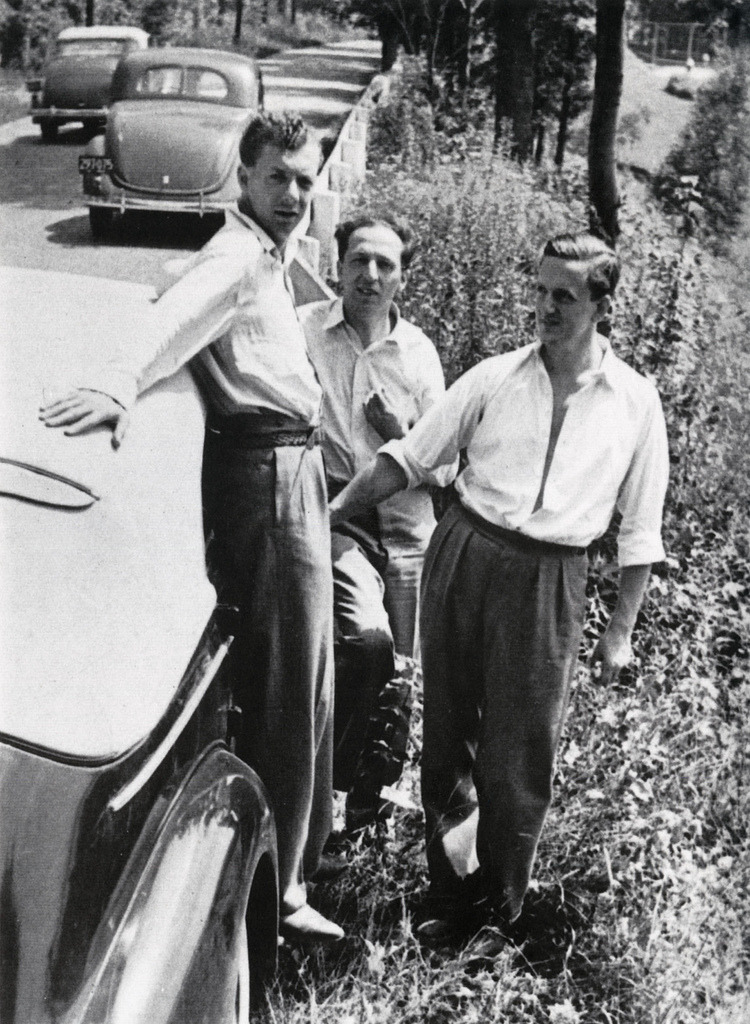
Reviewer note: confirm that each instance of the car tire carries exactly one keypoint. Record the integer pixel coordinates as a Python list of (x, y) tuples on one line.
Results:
[(48, 130), (102, 221)]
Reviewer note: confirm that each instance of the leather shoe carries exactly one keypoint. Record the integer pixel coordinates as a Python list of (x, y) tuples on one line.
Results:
[(307, 927)]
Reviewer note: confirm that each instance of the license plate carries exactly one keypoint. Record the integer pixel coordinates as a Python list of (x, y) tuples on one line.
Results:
[(94, 164)]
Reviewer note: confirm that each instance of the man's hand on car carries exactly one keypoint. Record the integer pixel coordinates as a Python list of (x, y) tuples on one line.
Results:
[(383, 417), (82, 410)]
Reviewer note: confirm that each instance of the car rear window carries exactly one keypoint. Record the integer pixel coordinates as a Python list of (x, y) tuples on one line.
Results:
[(189, 83), (93, 47)]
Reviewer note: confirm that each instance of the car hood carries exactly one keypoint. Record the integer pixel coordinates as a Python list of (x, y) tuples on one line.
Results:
[(174, 146), (79, 81), (104, 600)]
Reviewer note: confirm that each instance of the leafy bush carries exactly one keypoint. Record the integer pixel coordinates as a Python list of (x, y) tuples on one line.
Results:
[(715, 148)]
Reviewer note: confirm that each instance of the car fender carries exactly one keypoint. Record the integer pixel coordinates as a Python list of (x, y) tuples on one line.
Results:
[(169, 946), (95, 146)]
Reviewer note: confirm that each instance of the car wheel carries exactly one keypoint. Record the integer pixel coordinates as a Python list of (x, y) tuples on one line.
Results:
[(48, 130), (102, 221)]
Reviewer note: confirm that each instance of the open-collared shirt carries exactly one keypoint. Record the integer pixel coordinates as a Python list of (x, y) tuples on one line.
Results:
[(232, 312), (406, 367), (611, 452)]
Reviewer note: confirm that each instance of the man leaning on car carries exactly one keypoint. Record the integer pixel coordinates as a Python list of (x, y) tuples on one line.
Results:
[(233, 314)]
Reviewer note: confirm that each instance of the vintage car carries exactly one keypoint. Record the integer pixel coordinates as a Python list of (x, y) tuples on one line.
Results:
[(172, 136), (77, 76), (137, 852)]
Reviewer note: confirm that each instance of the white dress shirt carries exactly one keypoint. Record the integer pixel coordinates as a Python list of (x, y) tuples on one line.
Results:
[(232, 312), (611, 452), (406, 367)]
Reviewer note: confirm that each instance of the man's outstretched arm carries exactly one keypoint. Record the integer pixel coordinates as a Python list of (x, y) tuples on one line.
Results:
[(614, 649), (373, 484)]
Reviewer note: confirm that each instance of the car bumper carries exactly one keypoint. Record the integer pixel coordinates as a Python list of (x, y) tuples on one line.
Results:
[(123, 202), (61, 114)]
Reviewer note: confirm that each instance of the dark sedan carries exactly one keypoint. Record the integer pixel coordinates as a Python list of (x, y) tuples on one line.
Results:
[(172, 136), (76, 80)]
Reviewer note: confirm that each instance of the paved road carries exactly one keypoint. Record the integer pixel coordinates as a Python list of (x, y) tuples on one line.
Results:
[(44, 225)]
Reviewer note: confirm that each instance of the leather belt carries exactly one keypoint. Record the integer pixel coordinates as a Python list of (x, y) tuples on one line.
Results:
[(258, 432)]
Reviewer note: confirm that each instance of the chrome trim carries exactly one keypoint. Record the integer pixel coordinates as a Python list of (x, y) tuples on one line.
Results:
[(123, 202), (74, 114), (124, 795)]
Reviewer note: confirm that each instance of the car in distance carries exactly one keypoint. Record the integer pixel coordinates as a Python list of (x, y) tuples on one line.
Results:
[(137, 852), (172, 136), (76, 79)]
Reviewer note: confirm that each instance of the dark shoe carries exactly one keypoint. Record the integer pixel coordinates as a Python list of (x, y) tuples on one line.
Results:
[(306, 927), (330, 866)]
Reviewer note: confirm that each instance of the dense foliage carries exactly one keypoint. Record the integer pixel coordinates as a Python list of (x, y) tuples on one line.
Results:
[(642, 898), (711, 163), (265, 25)]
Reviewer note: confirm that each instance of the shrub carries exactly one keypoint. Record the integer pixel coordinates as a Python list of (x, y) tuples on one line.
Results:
[(715, 148)]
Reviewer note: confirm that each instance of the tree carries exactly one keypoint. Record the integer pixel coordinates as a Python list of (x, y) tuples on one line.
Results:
[(564, 35), (514, 72), (610, 55)]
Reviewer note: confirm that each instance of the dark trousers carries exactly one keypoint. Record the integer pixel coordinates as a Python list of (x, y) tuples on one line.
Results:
[(363, 649), (269, 544), (501, 624)]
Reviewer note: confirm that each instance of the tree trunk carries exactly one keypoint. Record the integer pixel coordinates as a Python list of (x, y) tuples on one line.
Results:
[(539, 147), (514, 74), (562, 124), (239, 5), (610, 52), (89, 12), (464, 46)]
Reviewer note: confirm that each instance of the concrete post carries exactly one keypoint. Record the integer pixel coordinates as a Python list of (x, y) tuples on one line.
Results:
[(326, 213), (340, 175), (355, 156), (309, 250)]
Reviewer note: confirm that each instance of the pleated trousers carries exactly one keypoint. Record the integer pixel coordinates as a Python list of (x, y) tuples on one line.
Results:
[(501, 624), (266, 513)]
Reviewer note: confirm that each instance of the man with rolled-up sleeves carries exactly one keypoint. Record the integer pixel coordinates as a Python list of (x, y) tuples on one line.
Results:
[(558, 435)]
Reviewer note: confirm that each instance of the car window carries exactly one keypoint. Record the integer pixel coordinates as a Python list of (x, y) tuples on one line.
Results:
[(205, 85), (163, 81), (92, 47), (190, 83)]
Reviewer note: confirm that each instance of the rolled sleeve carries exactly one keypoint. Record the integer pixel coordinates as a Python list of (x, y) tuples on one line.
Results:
[(429, 452), (641, 497)]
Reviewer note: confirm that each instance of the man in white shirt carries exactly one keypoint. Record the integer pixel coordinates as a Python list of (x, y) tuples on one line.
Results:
[(558, 435), (379, 375), (233, 314)]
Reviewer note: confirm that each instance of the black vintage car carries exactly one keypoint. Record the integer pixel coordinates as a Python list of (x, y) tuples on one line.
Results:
[(137, 852), (76, 79)]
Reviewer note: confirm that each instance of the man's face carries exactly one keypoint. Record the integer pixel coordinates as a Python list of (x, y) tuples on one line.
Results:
[(566, 314), (371, 272), (278, 186)]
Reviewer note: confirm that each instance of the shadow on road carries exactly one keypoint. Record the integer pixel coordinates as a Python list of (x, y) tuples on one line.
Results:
[(144, 230)]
